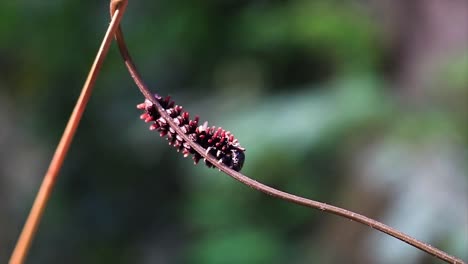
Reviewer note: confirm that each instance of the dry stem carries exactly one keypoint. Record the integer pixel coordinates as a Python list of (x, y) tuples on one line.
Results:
[(29, 230)]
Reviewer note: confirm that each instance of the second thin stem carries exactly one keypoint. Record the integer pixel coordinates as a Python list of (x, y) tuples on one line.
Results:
[(32, 222)]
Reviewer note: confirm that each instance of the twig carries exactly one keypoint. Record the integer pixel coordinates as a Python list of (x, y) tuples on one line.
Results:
[(262, 187), (29, 230)]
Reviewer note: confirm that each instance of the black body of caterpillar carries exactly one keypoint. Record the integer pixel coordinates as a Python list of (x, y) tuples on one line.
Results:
[(217, 141)]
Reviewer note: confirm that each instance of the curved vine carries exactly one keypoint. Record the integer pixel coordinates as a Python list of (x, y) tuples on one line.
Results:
[(114, 5)]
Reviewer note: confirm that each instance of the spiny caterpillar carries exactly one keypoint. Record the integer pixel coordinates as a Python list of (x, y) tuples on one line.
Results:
[(217, 141)]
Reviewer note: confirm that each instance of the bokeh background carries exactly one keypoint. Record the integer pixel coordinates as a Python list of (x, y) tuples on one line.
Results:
[(361, 104)]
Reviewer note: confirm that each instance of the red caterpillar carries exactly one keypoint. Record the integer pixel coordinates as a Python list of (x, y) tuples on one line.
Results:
[(217, 141)]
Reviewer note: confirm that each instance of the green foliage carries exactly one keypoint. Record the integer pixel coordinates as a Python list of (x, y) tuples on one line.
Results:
[(300, 83)]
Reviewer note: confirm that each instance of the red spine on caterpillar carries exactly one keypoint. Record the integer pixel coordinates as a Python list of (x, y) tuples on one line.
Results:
[(217, 141)]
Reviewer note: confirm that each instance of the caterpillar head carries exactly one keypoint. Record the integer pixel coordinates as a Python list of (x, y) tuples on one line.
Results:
[(237, 159)]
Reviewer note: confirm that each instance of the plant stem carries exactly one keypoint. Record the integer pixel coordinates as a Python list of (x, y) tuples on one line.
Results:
[(29, 230), (267, 189)]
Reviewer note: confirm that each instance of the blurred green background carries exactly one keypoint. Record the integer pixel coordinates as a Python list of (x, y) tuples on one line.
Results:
[(361, 104)]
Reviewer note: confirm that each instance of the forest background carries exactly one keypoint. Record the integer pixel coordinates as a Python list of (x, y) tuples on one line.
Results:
[(361, 104)]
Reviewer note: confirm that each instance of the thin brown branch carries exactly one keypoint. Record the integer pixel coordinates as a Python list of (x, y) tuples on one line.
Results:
[(267, 189), (29, 230)]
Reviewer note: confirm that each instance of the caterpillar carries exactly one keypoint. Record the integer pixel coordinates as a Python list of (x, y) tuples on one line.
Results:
[(217, 141)]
